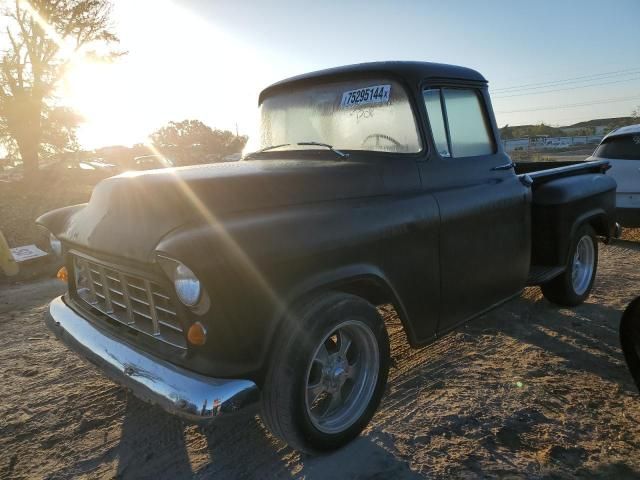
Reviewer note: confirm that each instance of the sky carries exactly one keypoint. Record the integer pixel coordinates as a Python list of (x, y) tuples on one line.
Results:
[(558, 62)]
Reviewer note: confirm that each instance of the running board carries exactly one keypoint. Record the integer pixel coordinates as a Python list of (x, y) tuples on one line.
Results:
[(539, 274)]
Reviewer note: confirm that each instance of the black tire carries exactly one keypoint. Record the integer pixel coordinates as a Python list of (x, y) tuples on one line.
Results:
[(561, 290), (630, 339), (284, 404)]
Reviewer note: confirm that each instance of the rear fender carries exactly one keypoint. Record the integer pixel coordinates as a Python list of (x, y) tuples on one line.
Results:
[(561, 206), (597, 219)]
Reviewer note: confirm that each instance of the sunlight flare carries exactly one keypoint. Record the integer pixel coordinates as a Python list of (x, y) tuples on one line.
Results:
[(66, 47), (221, 232), (208, 75)]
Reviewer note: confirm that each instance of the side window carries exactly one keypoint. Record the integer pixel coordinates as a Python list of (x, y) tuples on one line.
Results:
[(466, 122), (436, 120)]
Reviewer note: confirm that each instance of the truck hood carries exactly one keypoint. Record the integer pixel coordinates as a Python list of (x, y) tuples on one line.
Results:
[(130, 213)]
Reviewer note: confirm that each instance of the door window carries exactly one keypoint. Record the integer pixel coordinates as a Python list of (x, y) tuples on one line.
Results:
[(458, 122), (436, 120)]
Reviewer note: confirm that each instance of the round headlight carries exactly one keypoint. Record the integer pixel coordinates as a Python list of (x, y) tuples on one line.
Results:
[(187, 285), (56, 245)]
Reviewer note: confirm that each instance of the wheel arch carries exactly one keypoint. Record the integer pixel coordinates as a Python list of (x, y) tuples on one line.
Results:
[(596, 219), (365, 281)]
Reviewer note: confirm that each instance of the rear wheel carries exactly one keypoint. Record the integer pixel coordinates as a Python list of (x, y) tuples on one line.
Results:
[(328, 373), (574, 285)]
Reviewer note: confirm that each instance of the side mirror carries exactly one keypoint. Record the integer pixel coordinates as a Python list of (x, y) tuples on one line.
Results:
[(630, 339)]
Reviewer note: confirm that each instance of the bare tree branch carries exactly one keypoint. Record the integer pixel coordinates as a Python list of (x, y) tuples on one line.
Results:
[(40, 34)]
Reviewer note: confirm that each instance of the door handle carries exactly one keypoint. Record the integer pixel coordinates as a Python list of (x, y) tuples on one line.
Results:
[(506, 166)]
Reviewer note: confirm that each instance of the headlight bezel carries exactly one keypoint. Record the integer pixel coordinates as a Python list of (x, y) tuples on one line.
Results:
[(170, 266)]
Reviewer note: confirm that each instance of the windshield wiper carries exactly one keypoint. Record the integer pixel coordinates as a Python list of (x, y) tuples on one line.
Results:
[(266, 149), (330, 147), (302, 144)]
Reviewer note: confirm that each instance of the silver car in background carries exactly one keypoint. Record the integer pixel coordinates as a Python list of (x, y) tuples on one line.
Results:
[(621, 148)]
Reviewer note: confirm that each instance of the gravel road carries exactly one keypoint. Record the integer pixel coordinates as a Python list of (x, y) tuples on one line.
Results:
[(527, 391)]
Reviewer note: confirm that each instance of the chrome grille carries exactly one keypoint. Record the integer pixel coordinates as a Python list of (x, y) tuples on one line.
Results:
[(132, 300)]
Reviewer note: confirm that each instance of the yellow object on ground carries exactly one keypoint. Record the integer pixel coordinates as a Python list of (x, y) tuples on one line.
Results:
[(7, 263)]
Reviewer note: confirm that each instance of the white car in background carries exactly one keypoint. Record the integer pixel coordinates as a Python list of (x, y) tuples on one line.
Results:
[(622, 148)]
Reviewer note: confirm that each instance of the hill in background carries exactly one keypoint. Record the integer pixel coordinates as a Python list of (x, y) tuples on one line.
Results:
[(598, 126)]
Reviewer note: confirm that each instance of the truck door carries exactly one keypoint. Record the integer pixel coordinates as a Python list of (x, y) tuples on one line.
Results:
[(484, 208)]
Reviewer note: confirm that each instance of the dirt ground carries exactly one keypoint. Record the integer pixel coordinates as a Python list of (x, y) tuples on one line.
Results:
[(527, 391)]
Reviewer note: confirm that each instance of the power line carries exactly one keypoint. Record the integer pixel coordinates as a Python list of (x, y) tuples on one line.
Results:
[(573, 105), (568, 88), (580, 79), (569, 83)]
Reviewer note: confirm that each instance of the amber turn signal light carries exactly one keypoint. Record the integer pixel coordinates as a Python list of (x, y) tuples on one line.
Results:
[(197, 334), (63, 274)]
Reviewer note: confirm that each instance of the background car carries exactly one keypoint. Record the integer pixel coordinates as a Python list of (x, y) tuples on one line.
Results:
[(151, 162), (622, 148), (84, 171)]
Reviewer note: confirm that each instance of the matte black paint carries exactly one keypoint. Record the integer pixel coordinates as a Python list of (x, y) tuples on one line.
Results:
[(443, 239)]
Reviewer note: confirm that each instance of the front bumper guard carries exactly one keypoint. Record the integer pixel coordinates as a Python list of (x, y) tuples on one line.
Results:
[(179, 391)]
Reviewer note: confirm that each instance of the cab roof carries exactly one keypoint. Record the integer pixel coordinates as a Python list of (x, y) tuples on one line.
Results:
[(411, 72)]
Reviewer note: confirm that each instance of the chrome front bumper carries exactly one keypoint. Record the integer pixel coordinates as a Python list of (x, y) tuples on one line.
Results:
[(177, 390)]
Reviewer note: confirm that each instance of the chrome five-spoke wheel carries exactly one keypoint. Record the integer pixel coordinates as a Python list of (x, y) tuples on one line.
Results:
[(341, 377), (572, 287), (583, 264)]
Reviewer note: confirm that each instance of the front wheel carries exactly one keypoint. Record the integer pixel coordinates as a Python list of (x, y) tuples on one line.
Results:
[(574, 285), (328, 373)]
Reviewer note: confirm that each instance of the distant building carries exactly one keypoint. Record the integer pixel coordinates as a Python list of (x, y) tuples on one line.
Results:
[(545, 142)]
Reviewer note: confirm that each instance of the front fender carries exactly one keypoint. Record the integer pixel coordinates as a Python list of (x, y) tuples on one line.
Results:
[(257, 265), (57, 221), (365, 280)]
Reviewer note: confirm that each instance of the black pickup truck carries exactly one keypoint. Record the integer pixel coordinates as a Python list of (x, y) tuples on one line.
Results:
[(212, 288)]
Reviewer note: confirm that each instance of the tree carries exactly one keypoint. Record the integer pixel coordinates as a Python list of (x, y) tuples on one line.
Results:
[(59, 130), (635, 114), (191, 141), (58, 133), (43, 36)]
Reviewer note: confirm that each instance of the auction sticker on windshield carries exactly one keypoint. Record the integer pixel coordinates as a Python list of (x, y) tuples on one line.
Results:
[(365, 96)]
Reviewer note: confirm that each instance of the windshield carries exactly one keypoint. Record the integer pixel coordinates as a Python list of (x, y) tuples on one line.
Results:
[(373, 115)]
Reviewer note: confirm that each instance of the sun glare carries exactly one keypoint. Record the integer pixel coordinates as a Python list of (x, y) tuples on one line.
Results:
[(91, 89), (178, 66)]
